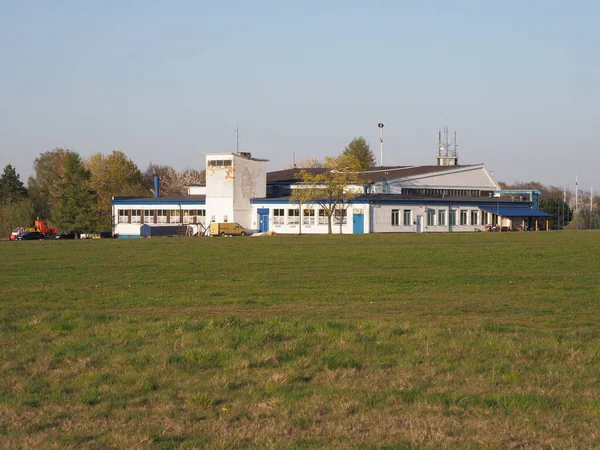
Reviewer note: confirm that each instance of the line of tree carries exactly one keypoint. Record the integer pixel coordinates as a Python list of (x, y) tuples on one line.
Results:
[(75, 194)]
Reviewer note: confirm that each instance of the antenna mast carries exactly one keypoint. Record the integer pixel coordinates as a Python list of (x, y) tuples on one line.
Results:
[(237, 139), (447, 151)]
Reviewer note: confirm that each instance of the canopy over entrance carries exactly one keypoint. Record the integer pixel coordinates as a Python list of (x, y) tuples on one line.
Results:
[(514, 211)]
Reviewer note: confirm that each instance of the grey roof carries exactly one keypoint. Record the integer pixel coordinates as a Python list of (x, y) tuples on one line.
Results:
[(374, 174), (398, 198)]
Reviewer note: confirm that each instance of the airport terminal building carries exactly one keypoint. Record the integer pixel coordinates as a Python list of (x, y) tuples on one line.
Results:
[(441, 198)]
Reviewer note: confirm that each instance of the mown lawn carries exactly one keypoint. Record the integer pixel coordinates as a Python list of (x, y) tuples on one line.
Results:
[(487, 340)]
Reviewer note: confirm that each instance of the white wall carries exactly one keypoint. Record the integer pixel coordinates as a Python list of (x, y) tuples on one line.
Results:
[(287, 228), (382, 219), (219, 188), (250, 182), (196, 190), (230, 189)]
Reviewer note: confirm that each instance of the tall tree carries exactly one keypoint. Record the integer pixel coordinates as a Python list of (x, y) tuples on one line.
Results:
[(333, 188), (301, 196), (48, 168), (111, 175), (359, 148), (15, 214), (75, 205), (11, 187)]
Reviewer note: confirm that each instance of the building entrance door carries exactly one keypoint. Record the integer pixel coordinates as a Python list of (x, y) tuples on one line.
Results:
[(263, 220), (419, 224), (358, 223)]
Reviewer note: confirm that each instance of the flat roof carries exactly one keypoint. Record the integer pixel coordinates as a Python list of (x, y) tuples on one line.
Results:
[(400, 198), (167, 199), (507, 211)]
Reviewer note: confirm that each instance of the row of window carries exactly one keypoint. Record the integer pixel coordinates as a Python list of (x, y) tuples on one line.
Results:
[(308, 216), (192, 216), (219, 162), (442, 192), (438, 217), (153, 216)]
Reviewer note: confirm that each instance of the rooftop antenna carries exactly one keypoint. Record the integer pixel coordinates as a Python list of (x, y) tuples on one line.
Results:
[(237, 139), (294, 159), (380, 126), (447, 151)]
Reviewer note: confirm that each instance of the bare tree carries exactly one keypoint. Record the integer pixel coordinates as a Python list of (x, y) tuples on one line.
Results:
[(311, 162)]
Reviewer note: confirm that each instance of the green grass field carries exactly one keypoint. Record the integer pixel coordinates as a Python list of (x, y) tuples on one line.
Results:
[(487, 340)]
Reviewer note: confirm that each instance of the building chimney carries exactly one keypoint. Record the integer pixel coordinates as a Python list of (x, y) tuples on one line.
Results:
[(156, 186)]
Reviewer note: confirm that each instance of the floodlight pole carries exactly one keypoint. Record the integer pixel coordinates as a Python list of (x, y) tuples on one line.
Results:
[(380, 126)]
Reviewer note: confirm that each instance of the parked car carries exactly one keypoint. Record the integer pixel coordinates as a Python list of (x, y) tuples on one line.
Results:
[(65, 235), (16, 232), (30, 236)]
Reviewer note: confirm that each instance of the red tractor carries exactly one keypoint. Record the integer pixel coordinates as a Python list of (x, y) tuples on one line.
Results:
[(41, 226)]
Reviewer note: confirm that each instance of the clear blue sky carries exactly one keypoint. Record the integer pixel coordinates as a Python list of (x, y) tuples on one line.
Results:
[(168, 81)]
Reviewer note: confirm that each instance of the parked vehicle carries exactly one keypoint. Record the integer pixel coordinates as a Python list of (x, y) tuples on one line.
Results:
[(65, 235), (30, 236), (42, 226), (227, 228), (17, 231)]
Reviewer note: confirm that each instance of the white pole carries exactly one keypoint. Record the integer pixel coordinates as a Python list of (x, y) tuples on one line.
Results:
[(380, 126), (381, 146), (576, 197)]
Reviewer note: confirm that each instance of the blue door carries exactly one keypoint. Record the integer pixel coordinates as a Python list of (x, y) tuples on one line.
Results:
[(263, 220), (358, 223)]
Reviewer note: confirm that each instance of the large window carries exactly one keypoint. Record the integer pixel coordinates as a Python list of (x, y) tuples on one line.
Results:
[(463, 216), (278, 216), (430, 217), (148, 216), (485, 218), (395, 217), (340, 216), (161, 216), (293, 216), (309, 217), (474, 215), (407, 216), (136, 216), (123, 216), (174, 216), (441, 217), (452, 218), (194, 215), (323, 217)]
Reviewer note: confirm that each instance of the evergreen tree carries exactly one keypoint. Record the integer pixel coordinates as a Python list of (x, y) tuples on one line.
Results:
[(11, 187), (48, 167), (359, 149), (74, 208)]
